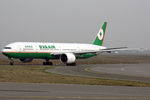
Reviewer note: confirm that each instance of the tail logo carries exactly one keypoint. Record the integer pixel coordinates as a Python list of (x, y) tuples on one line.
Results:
[(100, 34)]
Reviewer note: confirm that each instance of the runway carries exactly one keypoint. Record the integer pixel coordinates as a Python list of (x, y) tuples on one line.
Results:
[(32, 91), (139, 70), (131, 72)]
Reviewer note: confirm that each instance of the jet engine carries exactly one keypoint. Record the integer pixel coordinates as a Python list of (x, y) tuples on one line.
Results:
[(68, 58), (24, 60)]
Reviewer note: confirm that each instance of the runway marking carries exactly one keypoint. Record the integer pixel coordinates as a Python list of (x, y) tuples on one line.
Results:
[(88, 70), (79, 97), (96, 72)]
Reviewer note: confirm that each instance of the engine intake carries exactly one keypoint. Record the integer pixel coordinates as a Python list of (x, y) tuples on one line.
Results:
[(68, 58)]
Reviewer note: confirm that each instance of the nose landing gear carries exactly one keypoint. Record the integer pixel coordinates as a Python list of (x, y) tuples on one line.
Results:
[(11, 61)]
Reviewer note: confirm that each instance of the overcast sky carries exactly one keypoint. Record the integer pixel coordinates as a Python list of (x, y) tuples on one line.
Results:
[(76, 21)]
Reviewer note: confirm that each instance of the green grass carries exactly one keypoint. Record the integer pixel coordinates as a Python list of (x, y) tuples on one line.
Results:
[(37, 74)]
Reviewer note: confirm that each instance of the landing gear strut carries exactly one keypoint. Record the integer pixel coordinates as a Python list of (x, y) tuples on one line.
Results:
[(11, 61), (47, 62)]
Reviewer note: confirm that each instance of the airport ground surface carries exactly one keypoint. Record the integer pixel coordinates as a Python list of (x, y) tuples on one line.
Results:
[(133, 68), (131, 72), (36, 91)]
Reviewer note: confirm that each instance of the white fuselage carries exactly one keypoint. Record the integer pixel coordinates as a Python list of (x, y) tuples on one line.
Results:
[(51, 47)]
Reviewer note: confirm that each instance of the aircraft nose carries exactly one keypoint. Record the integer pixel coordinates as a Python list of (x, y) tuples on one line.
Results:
[(3, 51)]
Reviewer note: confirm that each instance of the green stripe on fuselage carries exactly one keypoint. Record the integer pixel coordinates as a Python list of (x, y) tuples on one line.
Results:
[(43, 55), (31, 55)]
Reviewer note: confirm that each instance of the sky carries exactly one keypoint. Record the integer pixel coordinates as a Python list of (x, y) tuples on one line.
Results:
[(76, 21)]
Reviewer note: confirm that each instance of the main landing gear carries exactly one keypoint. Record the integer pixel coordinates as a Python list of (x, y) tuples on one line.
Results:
[(72, 64), (47, 62), (11, 61)]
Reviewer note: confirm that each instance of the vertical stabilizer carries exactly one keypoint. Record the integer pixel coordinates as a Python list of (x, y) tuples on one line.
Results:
[(100, 35)]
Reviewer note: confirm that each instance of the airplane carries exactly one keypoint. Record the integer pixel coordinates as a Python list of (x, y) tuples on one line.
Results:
[(66, 52)]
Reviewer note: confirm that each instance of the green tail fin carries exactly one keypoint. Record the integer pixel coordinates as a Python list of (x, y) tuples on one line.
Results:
[(100, 35)]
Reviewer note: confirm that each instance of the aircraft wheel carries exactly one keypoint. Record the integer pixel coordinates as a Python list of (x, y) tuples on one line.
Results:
[(47, 63), (72, 64), (44, 63), (11, 63)]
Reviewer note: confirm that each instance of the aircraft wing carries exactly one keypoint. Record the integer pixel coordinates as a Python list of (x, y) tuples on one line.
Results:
[(106, 50), (109, 50)]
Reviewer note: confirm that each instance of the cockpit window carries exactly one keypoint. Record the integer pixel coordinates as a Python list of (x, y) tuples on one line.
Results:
[(7, 47)]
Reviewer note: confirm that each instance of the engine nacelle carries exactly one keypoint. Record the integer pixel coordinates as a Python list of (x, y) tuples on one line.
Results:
[(24, 60), (68, 58)]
